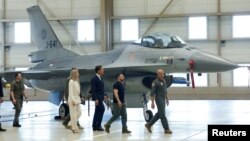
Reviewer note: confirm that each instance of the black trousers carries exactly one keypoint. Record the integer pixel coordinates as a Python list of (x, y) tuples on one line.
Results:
[(98, 115)]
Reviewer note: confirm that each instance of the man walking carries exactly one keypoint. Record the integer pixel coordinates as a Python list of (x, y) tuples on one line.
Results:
[(17, 93), (119, 105), (97, 89), (159, 95)]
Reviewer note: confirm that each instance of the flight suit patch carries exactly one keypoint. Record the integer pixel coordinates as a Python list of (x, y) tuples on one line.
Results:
[(153, 84)]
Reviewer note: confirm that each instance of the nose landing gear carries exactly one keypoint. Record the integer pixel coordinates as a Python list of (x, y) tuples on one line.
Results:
[(148, 114)]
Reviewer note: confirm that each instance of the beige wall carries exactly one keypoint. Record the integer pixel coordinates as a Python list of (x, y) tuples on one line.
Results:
[(214, 93)]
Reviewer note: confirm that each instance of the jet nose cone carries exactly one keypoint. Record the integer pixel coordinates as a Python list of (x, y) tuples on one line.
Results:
[(205, 62)]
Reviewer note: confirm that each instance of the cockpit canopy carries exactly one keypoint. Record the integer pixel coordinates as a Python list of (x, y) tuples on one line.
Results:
[(161, 40)]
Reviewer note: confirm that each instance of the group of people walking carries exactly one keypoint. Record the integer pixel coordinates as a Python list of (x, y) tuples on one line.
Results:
[(73, 98), (158, 96)]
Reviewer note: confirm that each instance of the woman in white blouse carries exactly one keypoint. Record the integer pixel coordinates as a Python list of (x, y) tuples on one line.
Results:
[(74, 100)]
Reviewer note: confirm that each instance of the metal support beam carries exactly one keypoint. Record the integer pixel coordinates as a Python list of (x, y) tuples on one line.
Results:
[(156, 19), (106, 25), (219, 38), (219, 27), (134, 17), (180, 15), (52, 19), (71, 7), (2, 50)]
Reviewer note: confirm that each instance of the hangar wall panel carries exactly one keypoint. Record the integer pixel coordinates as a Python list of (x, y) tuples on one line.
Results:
[(207, 46), (212, 80), (54, 8), (117, 30), (212, 28), (235, 5), (17, 56), (153, 7), (170, 25), (199, 6), (66, 31), (226, 27), (128, 7), (237, 51), (86, 8), (227, 78), (17, 9)]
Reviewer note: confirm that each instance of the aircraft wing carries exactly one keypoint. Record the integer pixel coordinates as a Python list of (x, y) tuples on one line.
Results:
[(48, 74), (8, 76), (55, 73), (41, 74), (34, 74)]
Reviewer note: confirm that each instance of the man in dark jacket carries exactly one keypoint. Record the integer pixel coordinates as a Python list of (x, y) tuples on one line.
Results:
[(1, 100), (97, 89)]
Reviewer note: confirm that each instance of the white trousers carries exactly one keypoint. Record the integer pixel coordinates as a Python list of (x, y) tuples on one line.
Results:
[(75, 113)]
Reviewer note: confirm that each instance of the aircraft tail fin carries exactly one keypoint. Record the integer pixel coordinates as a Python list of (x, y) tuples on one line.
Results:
[(49, 47)]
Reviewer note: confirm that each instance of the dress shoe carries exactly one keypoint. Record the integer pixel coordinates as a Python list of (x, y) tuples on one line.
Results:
[(17, 125), (100, 129), (168, 131), (125, 131), (2, 130), (148, 127), (107, 128)]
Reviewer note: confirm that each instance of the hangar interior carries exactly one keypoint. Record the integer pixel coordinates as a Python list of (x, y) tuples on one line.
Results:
[(216, 26), (220, 27)]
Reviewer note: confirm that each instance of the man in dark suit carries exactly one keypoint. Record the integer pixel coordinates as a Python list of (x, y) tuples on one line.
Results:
[(97, 89), (1, 100)]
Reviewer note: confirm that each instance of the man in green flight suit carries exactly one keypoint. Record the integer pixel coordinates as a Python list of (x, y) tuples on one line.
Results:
[(159, 96)]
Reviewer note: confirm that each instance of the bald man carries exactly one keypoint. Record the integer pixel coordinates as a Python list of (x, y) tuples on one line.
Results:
[(159, 96)]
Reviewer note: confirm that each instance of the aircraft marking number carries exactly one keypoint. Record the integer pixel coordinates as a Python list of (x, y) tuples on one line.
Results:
[(51, 44), (168, 59)]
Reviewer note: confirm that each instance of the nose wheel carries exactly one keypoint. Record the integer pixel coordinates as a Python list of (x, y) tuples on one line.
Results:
[(148, 114), (63, 111)]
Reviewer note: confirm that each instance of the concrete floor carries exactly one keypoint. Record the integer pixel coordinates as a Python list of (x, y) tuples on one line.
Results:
[(188, 121)]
